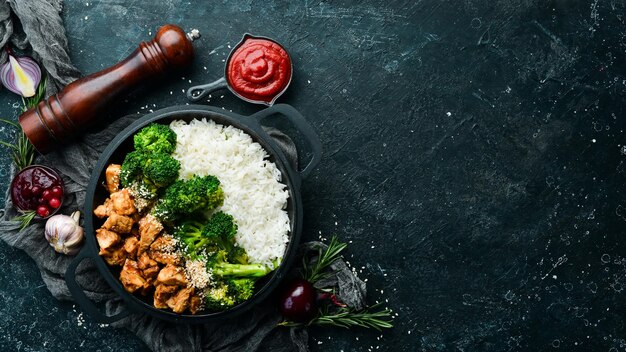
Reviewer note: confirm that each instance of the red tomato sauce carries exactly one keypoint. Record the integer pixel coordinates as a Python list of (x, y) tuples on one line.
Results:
[(259, 69)]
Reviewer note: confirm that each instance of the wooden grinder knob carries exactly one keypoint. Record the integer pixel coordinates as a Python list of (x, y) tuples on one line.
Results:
[(65, 115)]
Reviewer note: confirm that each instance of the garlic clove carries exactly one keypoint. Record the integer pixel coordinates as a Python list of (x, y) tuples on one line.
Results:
[(64, 233), (76, 238)]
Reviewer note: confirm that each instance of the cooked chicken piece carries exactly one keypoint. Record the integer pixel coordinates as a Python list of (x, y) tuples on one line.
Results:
[(118, 223), (165, 243), (180, 301), (172, 275), (106, 239), (146, 262), (163, 250), (159, 303), (131, 244), (115, 256), (123, 203), (130, 276), (149, 228), (104, 210), (112, 176), (165, 258), (151, 272), (162, 294), (195, 304)]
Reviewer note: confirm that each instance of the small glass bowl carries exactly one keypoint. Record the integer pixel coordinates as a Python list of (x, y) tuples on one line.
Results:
[(20, 202)]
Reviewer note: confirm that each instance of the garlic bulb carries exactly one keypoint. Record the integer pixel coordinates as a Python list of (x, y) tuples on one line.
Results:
[(64, 233)]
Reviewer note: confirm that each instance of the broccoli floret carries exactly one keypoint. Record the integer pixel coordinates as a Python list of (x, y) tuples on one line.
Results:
[(208, 191), (155, 138), (160, 169), (221, 230), (216, 236), (225, 269), (131, 168), (218, 297), (238, 255), (241, 289), (149, 170), (190, 233), (172, 204), (221, 268), (182, 198), (225, 294)]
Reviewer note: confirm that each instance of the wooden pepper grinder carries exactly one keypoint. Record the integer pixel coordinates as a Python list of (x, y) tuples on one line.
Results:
[(64, 116)]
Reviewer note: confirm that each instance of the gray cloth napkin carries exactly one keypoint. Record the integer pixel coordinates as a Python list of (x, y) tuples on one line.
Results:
[(254, 330)]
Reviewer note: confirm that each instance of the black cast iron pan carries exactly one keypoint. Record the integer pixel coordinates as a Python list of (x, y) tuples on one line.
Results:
[(122, 144)]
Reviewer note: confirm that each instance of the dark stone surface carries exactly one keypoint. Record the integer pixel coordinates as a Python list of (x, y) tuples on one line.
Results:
[(474, 159)]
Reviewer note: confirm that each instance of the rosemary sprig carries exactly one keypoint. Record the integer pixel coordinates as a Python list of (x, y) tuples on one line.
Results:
[(25, 218), (325, 258), (23, 151), (370, 317)]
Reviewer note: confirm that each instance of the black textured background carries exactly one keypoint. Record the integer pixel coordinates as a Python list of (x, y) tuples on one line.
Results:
[(474, 158)]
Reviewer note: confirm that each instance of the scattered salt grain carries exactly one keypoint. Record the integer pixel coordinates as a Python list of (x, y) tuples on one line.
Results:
[(80, 319)]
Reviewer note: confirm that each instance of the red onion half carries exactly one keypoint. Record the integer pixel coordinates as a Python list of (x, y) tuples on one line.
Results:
[(21, 75)]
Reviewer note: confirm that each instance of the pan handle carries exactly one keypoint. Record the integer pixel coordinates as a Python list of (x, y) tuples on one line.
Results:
[(81, 298), (196, 93), (303, 126)]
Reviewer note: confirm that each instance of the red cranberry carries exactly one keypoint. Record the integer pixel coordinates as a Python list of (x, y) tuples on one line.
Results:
[(54, 203), (57, 191), (47, 194), (298, 301), (43, 211)]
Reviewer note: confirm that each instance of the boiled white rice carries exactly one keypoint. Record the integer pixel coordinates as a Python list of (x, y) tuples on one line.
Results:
[(253, 193)]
